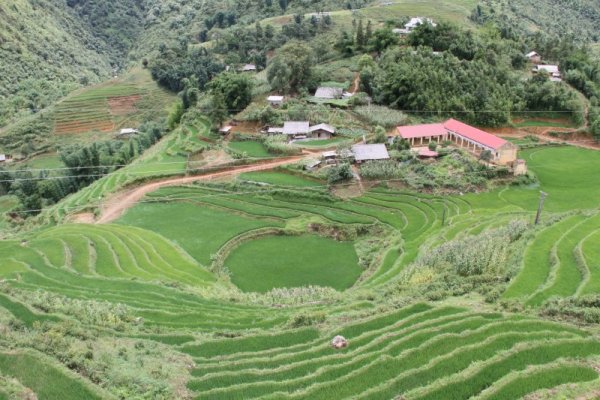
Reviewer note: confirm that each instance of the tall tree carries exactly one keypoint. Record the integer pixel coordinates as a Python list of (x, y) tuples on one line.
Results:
[(292, 67), (360, 36), (235, 90)]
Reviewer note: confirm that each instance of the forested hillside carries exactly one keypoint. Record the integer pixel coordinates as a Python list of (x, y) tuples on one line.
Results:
[(45, 52), (576, 18)]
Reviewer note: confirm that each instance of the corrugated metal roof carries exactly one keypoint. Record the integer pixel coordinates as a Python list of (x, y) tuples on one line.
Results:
[(275, 98), (296, 127), (551, 69), (329, 92), (428, 153), (474, 134), (324, 127), (367, 152), (419, 131)]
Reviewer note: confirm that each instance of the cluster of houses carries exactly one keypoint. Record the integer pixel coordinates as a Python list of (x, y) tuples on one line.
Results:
[(550, 69), (474, 140)]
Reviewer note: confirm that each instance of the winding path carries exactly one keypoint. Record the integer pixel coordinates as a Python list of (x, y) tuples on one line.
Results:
[(114, 206)]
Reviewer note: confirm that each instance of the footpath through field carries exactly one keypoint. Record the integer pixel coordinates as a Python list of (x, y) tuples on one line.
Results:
[(117, 204)]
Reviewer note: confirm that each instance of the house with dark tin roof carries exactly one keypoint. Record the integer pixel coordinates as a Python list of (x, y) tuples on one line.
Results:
[(369, 152)]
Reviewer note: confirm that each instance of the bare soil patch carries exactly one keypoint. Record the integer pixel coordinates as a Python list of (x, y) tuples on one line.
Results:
[(123, 105)]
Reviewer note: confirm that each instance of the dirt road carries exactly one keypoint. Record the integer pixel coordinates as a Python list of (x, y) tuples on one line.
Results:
[(118, 203)]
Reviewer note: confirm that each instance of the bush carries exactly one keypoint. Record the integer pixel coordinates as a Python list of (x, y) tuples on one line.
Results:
[(307, 319), (339, 173)]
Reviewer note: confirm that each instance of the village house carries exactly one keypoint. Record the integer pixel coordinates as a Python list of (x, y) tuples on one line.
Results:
[(275, 101), (462, 135), (330, 157), (312, 165), (224, 130), (126, 133), (321, 131), (2, 158), (534, 57), (369, 152), (301, 130), (412, 24), (249, 68), (551, 70), (330, 93), (296, 130)]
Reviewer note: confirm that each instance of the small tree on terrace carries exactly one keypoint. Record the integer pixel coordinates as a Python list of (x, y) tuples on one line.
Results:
[(380, 135), (235, 90), (339, 173)]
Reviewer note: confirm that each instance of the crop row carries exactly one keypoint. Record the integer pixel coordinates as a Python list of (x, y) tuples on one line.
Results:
[(559, 261), (406, 351)]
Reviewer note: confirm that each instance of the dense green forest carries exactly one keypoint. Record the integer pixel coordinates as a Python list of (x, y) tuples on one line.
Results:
[(58, 45)]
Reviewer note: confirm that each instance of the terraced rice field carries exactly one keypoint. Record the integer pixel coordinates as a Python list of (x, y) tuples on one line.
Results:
[(207, 221), (91, 109), (109, 106), (164, 262), (250, 149), (555, 261), (409, 352)]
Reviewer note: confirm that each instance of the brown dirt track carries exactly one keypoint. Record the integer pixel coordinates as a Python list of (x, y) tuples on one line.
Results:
[(117, 204)]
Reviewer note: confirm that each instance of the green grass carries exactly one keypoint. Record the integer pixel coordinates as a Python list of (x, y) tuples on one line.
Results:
[(280, 179), (251, 149), (23, 313), (250, 343), (7, 203), (290, 261), (47, 381), (322, 142), (536, 355), (537, 262), (566, 173), (543, 378), (42, 161), (199, 230)]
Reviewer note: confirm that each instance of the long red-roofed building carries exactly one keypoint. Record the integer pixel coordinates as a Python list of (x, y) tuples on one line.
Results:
[(503, 152)]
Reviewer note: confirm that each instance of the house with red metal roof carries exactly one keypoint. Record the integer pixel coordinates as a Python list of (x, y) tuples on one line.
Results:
[(463, 135)]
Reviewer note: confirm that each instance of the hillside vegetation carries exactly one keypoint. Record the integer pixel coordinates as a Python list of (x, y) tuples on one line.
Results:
[(204, 255)]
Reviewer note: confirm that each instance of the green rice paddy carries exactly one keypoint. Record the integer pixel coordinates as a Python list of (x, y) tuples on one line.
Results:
[(251, 149), (158, 260), (280, 179), (289, 261)]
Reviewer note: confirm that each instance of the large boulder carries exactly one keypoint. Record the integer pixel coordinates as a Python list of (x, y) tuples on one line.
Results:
[(339, 342)]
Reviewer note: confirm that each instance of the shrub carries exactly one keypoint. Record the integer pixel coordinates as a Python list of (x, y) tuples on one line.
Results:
[(307, 319), (339, 173), (486, 253)]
